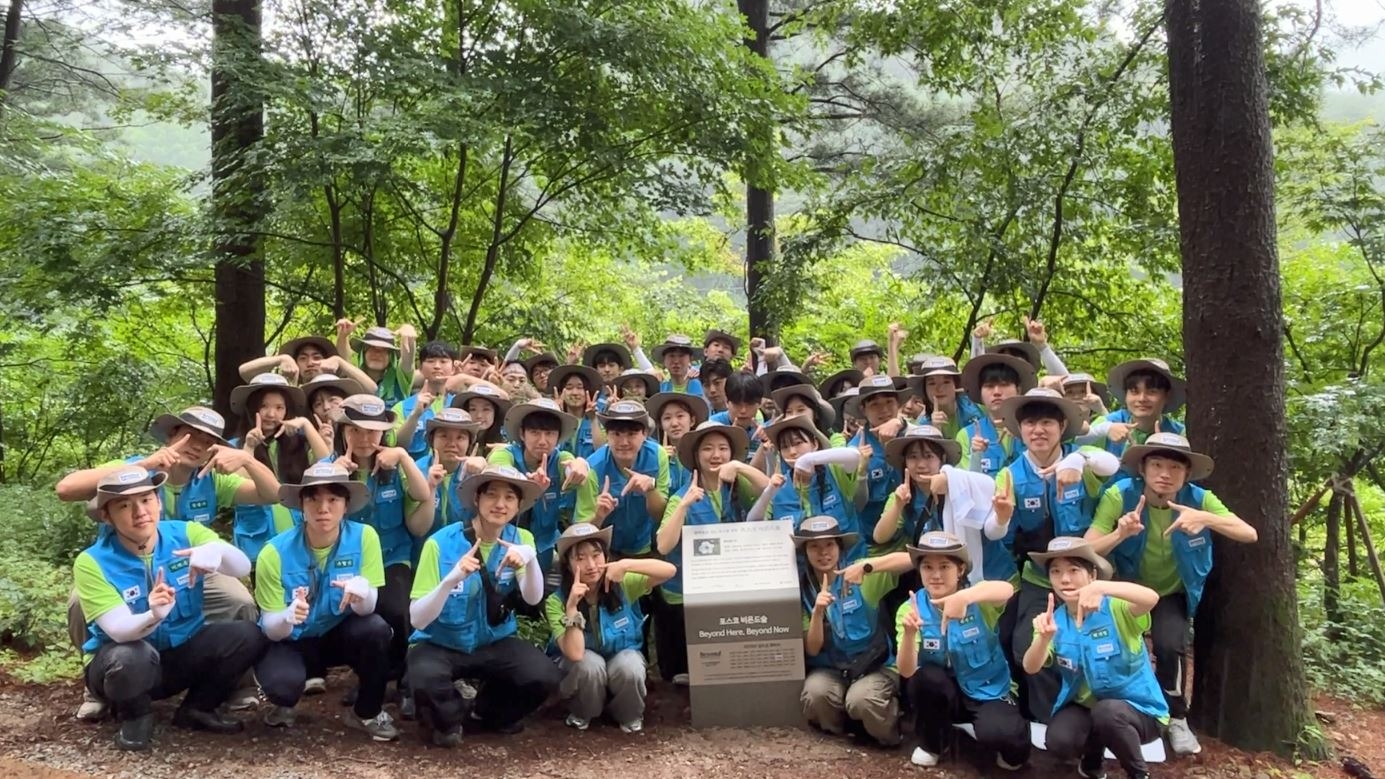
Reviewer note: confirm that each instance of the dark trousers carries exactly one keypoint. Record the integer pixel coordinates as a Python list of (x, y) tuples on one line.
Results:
[(392, 604), (670, 637), (1079, 732), (1041, 689), (1169, 631), (360, 643), (208, 665), (516, 678), (938, 702)]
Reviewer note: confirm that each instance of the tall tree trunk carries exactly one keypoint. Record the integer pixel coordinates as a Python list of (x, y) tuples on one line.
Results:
[(1331, 561), (237, 123), (9, 55), (759, 200), (1249, 688)]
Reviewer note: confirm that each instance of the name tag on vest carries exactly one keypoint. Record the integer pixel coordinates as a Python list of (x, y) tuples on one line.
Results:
[(345, 562), (830, 500), (1106, 650), (197, 505), (389, 493), (1197, 541), (1072, 494), (550, 496), (621, 623), (850, 605), (971, 632)]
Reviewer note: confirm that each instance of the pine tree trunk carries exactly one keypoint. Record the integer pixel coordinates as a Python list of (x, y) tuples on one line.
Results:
[(759, 201), (1250, 688)]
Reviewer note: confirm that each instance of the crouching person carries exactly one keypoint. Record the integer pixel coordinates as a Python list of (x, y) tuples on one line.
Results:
[(597, 625), (468, 584), (951, 653), (140, 587), (317, 586)]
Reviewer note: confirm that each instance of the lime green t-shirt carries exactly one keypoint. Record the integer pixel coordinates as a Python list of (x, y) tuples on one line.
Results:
[(97, 595), (503, 456), (846, 480), (990, 616), (635, 585), (427, 576), (269, 584), (1130, 629), (1157, 569), (874, 587)]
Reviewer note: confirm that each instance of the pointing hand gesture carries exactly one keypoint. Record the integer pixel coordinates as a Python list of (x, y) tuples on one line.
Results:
[(952, 608), (469, 564), (904, 492), (1004, 503), (913, 621), (605, 502), (825, 597), (202, 560), (1117, 432), (1044, 625), (1035, 329), (167, 457), (161, 597), (1190, 520), (694, 492), (1132, 523), (979, 443), (353, 592), (637, 483), (1088, 601), (225, 459)]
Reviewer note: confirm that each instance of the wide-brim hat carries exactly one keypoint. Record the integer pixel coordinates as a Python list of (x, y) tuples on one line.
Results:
[(1178, 392), (547, 358), (322, 381), (240, 396), (714, 334), (1071, 546), (450, 419), (696, 405), (1100, 389), (621, 352), (514, 418), (688, 444), (485, 392), (123, 483), (367, 412), (624, 411), (476, 350), (1171, 443), (650, 381), (971, 372), (291, 495), (932, 365), (841, 401), (323, 345), (528, 491), (872, 386), (199, 418), (826, 415), (796, 422), (590, 378), (775, 380), (866, 346), (833, 385), (897, 446), (815, 528), (940, 544), (378, 337), (579, 532), (1074, 414), (1026, 350), (676, 343)]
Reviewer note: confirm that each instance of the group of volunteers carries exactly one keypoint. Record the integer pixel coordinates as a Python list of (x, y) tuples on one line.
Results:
[(982, 546)]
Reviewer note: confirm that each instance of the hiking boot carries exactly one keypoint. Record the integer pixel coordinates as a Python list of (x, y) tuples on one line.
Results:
[(135, 734), (511, 729), (448, 738), (634, 727), (280, 717), (315, 686), (93, 708), (380, 727), (210, 721), (349, 699), (1181, 738), (574, 721), (922, 757)]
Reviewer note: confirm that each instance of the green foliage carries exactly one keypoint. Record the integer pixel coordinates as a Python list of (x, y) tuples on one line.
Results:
[(1347, 660)]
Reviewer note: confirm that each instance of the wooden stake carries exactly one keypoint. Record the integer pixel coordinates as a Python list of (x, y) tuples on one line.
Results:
[(1371, 556)]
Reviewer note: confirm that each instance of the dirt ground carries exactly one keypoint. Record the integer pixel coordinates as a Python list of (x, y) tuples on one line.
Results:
[(39, 739)]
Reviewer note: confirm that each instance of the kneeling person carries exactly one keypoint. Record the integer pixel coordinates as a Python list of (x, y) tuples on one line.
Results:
[(140, 587)]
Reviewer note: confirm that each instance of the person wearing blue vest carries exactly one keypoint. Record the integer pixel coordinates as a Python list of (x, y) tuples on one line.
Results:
[(824, 479), (1109, 697), (1049, 490), (140, 586), (677, 354), (851, 681), (1150, 394), (400, 507), (273, 428), (575, 388), (300, 359), (323, 396), (952, 654), (1084, 390), (636, 384), (804, 400), (487, 405), (468, 586), (878, 400), (722, 488), (948, 408), (627, 488), (595, 623), (990, 380), (534, 430), (608, 360), (743, 395), (437, 361), (450, 435), (675, 414), (389, 365), (1157, 528), (318, 585), (836, 384)]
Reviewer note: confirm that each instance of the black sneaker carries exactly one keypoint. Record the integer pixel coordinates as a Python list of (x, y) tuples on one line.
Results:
[(210, 721), (448, 738), (135, 734), (1096, 770)]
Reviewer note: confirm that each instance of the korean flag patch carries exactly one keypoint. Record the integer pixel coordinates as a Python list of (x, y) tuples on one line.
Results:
[(932, 644), (1066, 663), (130, 593), (1032, 503)]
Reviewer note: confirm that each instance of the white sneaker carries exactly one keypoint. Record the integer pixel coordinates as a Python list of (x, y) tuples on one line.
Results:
[(922, 758), (380, 727), (242, 699), (682, 680), (465, 689), (315, 686), (574, 721), (1181, 738), (633, 727), (93, 709)]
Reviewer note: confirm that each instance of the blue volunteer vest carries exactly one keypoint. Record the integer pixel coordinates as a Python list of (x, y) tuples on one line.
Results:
[(1192, 554), (701, 513), (462, 625), (298, 567), (693, 387), (447, 505), (542, 519), (1037, 501), (994, 458), (255, 525), (608, 633), (417, 447), (968, 413), (1097, 656), (195, 502), (581, 443), (822, 497), (127, 573), (1167, 424), (385, 512), (849, 626), (632, 528), (970, 649), (881, 479), (679, 477)]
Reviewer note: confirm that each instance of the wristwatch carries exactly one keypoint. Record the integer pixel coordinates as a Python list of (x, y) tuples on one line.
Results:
[(575, 621), (868, 568)]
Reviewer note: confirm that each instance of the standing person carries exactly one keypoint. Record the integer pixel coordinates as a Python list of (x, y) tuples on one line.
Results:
[(463, 613), (323, 395), (1036, 351), (990, 380), (719, 345), (627, 488), (804, 400), (451, 435), (487, 406), (939, 384), (636, 384), (866, 357), (1158, 527), (1149, 393), (390, 366), (275, 432), (140, 586), (595, 621), (743, 395), (952, 654), (713, 374), (879, 401), (675, 415), (300, 359), (575, 388), (824, 479), (676, 354), (318, 585), (540, 367), (608, 360), (1110, 698), (412, 414)]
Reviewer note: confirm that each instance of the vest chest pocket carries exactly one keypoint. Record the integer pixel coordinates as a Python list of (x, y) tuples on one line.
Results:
[(1104, 657), (973, 646)]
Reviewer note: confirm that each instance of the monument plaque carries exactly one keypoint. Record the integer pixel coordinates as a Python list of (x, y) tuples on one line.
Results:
[(744, 621)]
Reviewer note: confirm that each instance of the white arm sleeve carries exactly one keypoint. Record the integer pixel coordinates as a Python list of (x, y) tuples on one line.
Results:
[(757, 512), (1052, 362), (234, 563), (845, 456), (122, 625), (425, 610), (531, 578), (978, 346), (276, 625), (513, 353), (1102, 462), (641, 361)]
